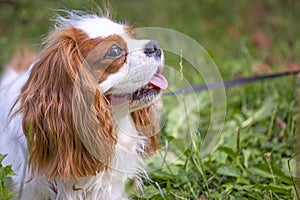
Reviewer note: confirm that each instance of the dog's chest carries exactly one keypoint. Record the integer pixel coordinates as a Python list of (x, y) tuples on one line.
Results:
[(127, 164), (129, 148)]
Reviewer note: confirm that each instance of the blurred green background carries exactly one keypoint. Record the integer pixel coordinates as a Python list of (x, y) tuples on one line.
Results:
[(243, 38), (266, 30)]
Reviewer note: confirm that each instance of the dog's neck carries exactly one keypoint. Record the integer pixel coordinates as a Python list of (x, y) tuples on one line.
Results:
[(127, 164)]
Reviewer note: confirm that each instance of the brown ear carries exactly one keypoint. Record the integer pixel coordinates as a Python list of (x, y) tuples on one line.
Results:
[(65, 116), (146, 122)]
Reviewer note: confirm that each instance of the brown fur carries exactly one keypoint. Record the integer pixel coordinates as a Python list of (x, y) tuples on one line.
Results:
[(59, 137), (146, 122), (102, 68), (66, 119), (130, 32)]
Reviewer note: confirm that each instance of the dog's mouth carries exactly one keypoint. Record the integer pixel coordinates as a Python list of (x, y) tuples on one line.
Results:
[(145, 94)]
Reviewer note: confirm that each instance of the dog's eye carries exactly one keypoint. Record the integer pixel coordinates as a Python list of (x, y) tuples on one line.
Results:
[(114, 52)]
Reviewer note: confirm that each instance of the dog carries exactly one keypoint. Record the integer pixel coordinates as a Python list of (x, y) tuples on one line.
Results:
[(80, 121)]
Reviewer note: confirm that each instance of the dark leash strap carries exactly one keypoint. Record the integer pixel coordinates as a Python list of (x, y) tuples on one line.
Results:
[(231, 83)]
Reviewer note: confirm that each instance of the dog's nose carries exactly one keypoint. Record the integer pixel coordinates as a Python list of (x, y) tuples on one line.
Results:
[(152, 49)]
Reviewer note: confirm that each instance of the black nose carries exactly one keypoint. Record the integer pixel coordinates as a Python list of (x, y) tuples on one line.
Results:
[(152, 49)]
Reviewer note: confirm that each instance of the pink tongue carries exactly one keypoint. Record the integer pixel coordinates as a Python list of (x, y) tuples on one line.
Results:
[(159, 81)]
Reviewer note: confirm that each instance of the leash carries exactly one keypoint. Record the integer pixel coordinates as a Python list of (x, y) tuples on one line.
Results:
[(231, 83)]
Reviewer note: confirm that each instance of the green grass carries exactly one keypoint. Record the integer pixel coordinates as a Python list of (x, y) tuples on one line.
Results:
[(250, 160)]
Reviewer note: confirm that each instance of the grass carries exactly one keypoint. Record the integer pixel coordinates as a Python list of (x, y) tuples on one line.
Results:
[(250, 162), (254, 157)]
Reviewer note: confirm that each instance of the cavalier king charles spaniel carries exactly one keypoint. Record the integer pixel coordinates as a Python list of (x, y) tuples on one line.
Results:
[(79, 123)]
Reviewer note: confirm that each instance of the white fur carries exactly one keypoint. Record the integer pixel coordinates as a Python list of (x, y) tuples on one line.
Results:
[(8, 77), (138, 66), (127, 163), (92, 27)]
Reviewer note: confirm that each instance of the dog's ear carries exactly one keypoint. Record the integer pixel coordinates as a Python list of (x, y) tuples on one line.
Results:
[(66, 119), (146, 122)]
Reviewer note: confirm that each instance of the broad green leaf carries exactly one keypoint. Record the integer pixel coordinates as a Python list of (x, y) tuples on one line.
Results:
[(5, 174), (229, 171)]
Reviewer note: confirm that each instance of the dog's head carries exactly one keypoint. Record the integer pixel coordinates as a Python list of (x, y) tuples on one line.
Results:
[(91, 71), (127, 70)]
